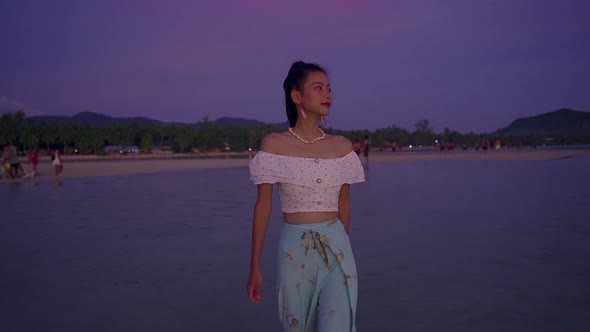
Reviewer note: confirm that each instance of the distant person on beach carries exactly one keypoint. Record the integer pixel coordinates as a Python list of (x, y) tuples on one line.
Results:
[(498, 145), (317, 278), (356, 146), (11, 163), (15, 161), (57, 162), (6, 162), (34, 160), (366, 148)]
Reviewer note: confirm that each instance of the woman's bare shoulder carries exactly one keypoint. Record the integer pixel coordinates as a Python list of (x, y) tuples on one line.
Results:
[(341, 144), (273, 142)]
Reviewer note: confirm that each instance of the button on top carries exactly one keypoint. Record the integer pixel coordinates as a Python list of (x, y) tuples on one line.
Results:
[(317, 160), (319, 202), (318, 180)]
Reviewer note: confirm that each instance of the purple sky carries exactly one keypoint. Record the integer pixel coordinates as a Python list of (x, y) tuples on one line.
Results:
[(467, 65)]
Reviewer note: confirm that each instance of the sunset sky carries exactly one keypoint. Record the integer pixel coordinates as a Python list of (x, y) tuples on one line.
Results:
[(467, 65)]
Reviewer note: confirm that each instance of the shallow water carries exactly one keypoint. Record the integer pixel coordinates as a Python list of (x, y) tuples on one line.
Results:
[(443, 245)]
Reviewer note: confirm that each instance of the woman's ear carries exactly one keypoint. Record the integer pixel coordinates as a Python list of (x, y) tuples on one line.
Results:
[(296, 96)]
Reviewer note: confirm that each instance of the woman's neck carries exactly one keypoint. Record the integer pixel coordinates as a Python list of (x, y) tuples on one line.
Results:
[(308, 128)]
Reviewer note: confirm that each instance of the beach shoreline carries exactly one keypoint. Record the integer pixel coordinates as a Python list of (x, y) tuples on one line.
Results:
[(101, 166)]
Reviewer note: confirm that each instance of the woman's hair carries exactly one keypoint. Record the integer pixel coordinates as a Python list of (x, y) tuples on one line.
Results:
[(294, 81)]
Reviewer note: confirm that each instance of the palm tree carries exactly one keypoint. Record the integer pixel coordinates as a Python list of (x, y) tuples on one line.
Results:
[(7, 129), (30, 135), (97, 138), (49, 133), (147, 142)]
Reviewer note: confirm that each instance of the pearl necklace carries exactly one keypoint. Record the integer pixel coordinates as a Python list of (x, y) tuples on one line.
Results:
[(319, 138)]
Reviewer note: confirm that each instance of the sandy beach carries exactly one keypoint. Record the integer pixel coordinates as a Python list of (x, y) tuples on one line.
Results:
[(93, 166)]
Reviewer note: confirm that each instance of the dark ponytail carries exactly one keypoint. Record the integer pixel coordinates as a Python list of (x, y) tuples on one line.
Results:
[(294, 81)]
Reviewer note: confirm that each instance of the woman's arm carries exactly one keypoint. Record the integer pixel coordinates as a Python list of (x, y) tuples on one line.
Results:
[(262, 212), (344, 206)]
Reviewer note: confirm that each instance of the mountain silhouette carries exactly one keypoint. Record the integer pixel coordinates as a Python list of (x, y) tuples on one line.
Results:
[(561, 122)]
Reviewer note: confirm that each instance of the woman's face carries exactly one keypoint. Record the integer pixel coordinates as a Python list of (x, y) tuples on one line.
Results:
[(316, 94)]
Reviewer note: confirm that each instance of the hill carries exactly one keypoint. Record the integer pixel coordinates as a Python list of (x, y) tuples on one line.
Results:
[(566, 122), (101, 120), (561, 122), (228, 122), (95, 119)]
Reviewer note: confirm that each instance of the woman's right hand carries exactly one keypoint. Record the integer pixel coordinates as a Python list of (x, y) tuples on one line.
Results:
[(255, 286)]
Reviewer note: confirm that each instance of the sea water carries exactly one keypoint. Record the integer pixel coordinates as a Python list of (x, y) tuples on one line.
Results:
[(440, 245)]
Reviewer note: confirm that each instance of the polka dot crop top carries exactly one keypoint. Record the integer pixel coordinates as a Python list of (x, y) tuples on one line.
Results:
[(306, 184)]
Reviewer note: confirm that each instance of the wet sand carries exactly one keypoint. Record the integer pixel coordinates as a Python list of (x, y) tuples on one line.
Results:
[(92, 166)]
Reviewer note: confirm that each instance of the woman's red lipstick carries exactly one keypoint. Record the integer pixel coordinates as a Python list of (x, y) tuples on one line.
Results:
[(326, 104)]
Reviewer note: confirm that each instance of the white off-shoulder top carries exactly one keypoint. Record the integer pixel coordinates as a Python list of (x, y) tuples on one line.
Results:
[(306, 184)]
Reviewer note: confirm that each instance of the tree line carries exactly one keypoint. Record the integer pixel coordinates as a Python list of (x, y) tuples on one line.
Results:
[(19, 130)]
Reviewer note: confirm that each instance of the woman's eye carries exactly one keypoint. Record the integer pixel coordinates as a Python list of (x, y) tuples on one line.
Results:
[(318, 87)]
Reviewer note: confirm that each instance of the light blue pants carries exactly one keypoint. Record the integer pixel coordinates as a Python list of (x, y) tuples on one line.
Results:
[(317, 279)]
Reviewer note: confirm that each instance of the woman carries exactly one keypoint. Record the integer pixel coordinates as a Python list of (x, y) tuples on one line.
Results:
[(317, 280), (57, 162)]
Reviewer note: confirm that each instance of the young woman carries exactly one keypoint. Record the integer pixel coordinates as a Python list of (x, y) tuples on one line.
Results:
[(317, 279), (57, 162)]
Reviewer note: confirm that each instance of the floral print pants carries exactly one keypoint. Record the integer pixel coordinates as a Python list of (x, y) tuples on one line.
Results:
[(317, 278)]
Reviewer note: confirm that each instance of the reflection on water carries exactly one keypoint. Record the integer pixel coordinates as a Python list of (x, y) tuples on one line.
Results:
[(440, 246)]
